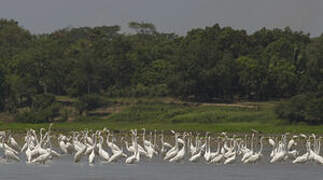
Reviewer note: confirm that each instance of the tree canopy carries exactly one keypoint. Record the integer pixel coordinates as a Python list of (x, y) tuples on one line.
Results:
[(205, 64)]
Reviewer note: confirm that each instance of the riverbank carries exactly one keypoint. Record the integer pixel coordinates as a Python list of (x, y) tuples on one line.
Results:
[(167, 113), (213, 128)]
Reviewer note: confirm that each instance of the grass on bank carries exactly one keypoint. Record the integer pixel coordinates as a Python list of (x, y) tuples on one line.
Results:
[(197, 113), (213, 128), (166, 114)]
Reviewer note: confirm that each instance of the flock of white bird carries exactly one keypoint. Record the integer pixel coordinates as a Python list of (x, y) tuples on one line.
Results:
[(102, 145)]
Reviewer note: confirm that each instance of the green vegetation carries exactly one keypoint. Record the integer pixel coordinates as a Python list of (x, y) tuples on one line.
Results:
[(44, 108), (302, 108), (166, 114), (228, 127), (73, 74), (195, 113)]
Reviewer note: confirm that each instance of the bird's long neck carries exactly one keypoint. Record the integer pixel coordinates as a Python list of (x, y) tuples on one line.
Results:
[(94, 141), (101, 140), (319, 147), (151, 137), (196, 140), (41, 135), (261, 145), (108, 139), (136, 149), (206, 143), (36, 138), (219, 146), (162, 139), (136, 144), (308, 146), (209, 144), (143, 135), (285, 143), (127, 146), (155, 139), (28, 143), (184, 144), (206, 139), (235, 144), (49, 142), (3, 146), (252, 141), (189, 141)]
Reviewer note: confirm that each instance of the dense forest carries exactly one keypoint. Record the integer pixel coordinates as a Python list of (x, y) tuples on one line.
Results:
[(206, 64)]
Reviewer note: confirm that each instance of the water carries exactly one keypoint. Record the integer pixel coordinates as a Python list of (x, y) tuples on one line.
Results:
[(65, 169)]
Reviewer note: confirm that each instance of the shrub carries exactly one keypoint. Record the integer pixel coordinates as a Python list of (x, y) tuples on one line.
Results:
[(43, 116), (42, 101), (139, 90), (44, 109), (90, 102), (85, 119), (302, 108)]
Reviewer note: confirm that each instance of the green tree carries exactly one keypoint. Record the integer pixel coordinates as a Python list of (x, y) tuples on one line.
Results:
[(2, 90), (253, 77), (312, 79), (84, 75), (142, 27)]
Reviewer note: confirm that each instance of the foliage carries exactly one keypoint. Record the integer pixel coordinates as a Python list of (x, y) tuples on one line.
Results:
[(89, 102), (39, 116), (160, 112), (2, 95), (44, 108), (205, 64), (302, 108), (42, 101)]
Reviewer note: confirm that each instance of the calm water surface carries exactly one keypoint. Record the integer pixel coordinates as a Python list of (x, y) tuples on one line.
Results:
[(65, 169)]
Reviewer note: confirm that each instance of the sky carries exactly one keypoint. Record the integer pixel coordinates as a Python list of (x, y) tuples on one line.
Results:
[(178, 16)]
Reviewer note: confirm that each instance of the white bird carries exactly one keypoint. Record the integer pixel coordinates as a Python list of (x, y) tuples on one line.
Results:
[(271, 142), (13, 142), (217, 158), (136, 156), (42, 158), (233, 154), (62, 145), (208, 150), (102, 153), (116, 156), (8, 153), (231, 159), (248, 152), (291, 143), (218, 155), (78, 155), (164, 145), (173, 151), (92, 156), (303, 158), (255, 157), (194, 149), (114, 148), (281, 151), (195, 157), (180, 155)]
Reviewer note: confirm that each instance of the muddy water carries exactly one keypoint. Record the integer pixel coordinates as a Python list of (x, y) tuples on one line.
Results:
[(156, 169), (65, 169)]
